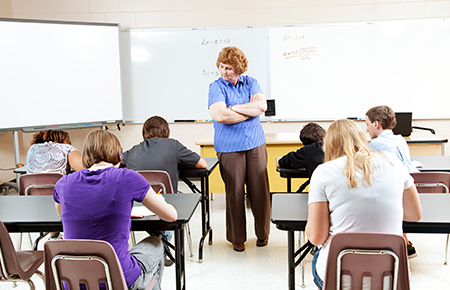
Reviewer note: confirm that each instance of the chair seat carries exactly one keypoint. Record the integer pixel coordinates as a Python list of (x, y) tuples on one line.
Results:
[(29, 260)]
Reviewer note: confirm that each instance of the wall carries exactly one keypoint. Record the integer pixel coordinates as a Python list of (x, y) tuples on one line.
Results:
[(211, 13), (6, 10)]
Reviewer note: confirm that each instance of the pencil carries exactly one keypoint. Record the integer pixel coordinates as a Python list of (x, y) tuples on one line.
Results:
[(159, 191)]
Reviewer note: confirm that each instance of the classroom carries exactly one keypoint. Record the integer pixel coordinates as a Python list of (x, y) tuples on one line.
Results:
[(222, 268)]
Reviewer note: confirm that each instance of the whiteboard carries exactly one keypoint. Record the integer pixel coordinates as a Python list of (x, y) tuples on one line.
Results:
[(54, 73), (167, 72), (336, 71)]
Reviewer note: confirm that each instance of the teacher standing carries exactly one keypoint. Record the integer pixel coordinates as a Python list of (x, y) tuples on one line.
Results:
[(235, 103)]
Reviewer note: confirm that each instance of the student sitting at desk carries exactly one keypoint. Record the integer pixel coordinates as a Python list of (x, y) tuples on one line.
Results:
[(380, 121), (356, 190), (311, 154), (95, 203), (159, 152), (51, 152)]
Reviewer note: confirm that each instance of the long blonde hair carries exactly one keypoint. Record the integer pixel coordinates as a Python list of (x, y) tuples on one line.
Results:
[(345, 138)]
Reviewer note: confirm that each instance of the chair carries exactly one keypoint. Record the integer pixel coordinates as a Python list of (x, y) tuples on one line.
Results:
[(160, 180), (367, 261), (433, 182), (83, 264), (37, 184), (18, 266)]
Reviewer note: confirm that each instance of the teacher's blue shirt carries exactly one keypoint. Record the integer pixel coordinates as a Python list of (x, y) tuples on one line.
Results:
[(241, 136)]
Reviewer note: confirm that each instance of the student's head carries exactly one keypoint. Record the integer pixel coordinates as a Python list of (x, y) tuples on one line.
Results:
[(346, 138), (57, 136), (378, 119), (155, 126), (233, 57), (101, 145), (312, 133)]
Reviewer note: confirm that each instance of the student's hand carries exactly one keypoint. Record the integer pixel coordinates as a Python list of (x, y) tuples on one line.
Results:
[(137, 215)]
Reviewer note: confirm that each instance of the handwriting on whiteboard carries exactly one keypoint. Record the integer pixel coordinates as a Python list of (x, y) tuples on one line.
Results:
[(206, 73), (293, 37), (215, 41), (306, 53)]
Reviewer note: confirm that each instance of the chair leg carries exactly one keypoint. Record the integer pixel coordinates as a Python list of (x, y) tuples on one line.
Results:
[(41, 275), (20, 241), (31, 284), (31, 241), (189, 238), (446, 250), (133, 238)]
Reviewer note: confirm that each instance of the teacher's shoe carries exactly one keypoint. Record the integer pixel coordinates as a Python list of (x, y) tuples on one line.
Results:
[(262, 243), (239, 247)]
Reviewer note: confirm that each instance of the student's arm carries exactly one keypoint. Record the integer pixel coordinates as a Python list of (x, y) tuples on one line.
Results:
[(412, 210), (223, 114), (254, 108), (58, 208), (157, 204), (74, 160), (201, 163), (294, 159), (318, 225)]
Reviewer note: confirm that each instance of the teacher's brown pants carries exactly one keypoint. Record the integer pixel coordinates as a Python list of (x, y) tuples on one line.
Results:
[(239, 169)]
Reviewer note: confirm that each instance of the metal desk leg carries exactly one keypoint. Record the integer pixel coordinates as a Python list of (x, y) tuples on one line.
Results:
[(179, 260), (288, 184), (206, 227), (302, 241), (291, 260)]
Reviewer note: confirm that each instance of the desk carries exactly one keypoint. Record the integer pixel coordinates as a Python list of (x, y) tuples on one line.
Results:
[(188, 174), (290, 213), (279, 144), (433, 163), (37, 213), (289, 173)]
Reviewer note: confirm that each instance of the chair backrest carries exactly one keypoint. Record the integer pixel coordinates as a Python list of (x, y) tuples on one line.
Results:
[(432, 182), (159, 180), (82, 264), (38, 183), (369, 259), (9, 262)]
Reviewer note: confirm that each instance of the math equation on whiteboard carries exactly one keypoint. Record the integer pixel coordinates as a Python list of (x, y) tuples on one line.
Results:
[(293, 37), (306, 53), (215, 41), (206, 73)]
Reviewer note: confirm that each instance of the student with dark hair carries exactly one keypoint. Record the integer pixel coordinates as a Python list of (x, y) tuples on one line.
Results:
[(159, 152), (51, 152), (311, 154), (95, 203)]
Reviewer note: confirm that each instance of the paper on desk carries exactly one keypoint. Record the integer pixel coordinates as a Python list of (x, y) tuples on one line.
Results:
[(416, 164), (141, 210)]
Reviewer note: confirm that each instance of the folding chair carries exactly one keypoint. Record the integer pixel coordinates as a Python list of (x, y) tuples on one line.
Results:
[(160, 180), (18, 266), (83, 264), (368, 261), (37, 184), (433, 182)]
